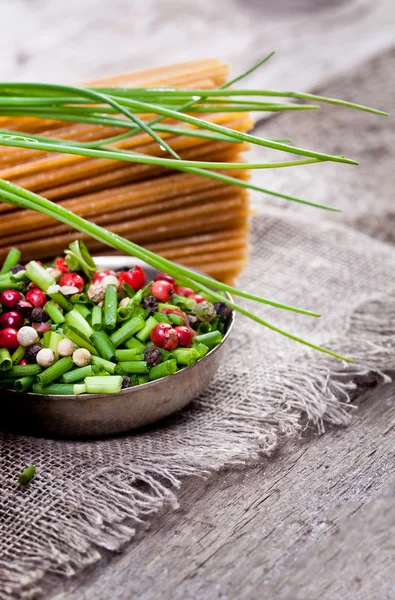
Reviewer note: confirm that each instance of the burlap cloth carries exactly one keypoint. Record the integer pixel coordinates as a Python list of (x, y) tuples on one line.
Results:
[(90, 495)]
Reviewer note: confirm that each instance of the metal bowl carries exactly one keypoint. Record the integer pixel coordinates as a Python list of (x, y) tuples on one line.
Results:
[(105, 414)]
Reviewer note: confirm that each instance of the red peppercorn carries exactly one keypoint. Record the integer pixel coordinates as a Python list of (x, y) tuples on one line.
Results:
[(185, 291), (164, 336), (198, 298), (165, 277), (135, 277), (162, 290), (184, 335), (9, 338), (11, 319), (23, 362), (36, 297), (73, 279), (9, 298), (61, 265), (100, 275)]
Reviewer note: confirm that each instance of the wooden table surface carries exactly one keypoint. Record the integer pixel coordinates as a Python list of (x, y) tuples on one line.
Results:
[(317, 520)]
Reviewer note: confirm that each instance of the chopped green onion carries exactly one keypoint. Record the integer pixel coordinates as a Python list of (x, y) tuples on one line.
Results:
[(204, 328), (102, 362), (110, 308), (5, 359), (133, 366), (82, 309), (24, 383), (130, 354), (133, 343), (77, 374), (103, 344), (97, 317), (185, 356), (62, 301), (144, 333), (103, 385), (12, 259), (79, 388), (55, 371), (83, 298), (163, 369), (46, 339), (54, 339), (54, 389), (39, 275), (127, 330), (161, 317), (176, 319), (23, 370), (10, 285), (18, 355), (27, 475), (142, 379), (202, 349), (183, 302), (76, 320), (209, 339), (54, 313), (78, 340)]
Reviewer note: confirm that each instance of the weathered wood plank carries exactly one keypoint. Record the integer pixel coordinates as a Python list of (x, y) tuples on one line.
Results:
[(239, 534)]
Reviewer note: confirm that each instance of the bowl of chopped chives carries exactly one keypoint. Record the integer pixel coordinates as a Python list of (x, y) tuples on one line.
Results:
[(106, 353)]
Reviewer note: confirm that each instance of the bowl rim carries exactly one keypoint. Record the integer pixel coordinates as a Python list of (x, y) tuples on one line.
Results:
[(149, 384)]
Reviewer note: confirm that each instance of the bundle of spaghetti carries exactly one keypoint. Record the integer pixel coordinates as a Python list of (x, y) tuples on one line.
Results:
[(200, 222)]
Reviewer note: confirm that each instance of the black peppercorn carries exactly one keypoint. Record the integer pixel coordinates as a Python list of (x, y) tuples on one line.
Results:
[(31, 352), (153, 356), (39, 315), (16, 269), (125, 382), (150, 303), (223, 310), (193, 321), (24, 308)]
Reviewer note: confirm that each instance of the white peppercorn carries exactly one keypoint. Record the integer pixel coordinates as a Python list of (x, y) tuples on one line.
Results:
[(65, 347), (46, 357), (109, 280), (27, 336), (81, 357)]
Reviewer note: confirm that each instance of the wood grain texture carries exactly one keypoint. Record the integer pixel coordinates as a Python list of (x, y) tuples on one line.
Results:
[(316, 522)]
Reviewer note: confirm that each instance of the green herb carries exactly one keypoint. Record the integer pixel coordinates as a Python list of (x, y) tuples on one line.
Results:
[(12, 259), (27, 475)]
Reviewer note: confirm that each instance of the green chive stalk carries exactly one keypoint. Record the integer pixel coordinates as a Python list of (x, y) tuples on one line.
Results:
[(210, 339), (176, 319), (5, 359), (58, 298), (107, 365), (24, 383), (78, 374), (55, 371), (82, 309), (144, 333), (129, 354), (39, 275), (54, 312), (103, 344), (97, 317), (135, 344), (201, 349), (27, 475), (185, 356), (23, 370), (77, 321), (103, 385), (127, 330), (79, 341), (54, 389), (110, 308), (133, 366), (18, 355), (169, 367), (12, 259)]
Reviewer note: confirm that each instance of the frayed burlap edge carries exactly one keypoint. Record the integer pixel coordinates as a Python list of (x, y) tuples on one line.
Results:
[(307, 389)]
